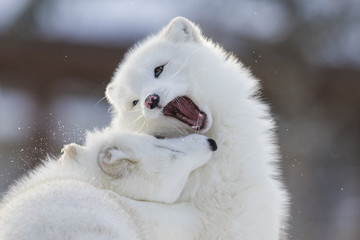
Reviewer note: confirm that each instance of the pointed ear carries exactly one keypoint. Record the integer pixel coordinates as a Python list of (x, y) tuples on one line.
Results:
[(109, 92), (182, 30), (116, 163), (70, 152)]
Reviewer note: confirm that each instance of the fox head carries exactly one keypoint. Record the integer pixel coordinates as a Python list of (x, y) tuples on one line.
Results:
[(177, 82)]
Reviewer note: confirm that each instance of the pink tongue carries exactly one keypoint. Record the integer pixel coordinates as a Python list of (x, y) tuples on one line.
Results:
[(183, 109), (187, 108)]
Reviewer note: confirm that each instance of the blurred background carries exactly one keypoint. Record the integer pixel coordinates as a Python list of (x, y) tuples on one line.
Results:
[(56, 58)]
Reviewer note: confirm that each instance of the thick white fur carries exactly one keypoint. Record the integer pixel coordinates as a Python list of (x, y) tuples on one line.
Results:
[(238, 194), (80, 196)]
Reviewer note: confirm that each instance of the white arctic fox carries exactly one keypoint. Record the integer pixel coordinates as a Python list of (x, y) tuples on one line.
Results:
[(178, 82), (79, 197), (171, 85)]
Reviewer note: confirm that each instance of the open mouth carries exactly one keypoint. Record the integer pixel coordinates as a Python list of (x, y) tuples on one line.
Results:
[(186, 111)]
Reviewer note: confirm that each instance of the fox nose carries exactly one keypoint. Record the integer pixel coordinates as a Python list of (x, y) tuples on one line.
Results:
[(152, 101), (212, 144)]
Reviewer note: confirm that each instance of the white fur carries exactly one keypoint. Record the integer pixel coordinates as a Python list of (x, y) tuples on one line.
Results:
[(238, 194), (80, 196)]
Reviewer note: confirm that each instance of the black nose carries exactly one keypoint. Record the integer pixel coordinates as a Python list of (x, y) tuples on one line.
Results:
[(152, 101), (212, 144)]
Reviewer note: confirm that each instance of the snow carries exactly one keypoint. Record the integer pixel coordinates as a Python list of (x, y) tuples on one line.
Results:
[(17, 114)]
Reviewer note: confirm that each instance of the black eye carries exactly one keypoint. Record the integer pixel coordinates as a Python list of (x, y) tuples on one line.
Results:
[(135, 102), (158, 70)]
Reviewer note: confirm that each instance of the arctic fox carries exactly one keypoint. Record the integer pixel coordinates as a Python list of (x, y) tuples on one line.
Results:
[(172, 85), (80, 196), (177, 83)]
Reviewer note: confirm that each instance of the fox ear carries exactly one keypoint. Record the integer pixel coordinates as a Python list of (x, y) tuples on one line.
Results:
[(116, 163), (182, 30), (70, 152), (109, 92)]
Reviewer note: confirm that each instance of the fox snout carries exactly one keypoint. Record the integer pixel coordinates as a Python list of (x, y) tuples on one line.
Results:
[(152, 101)]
